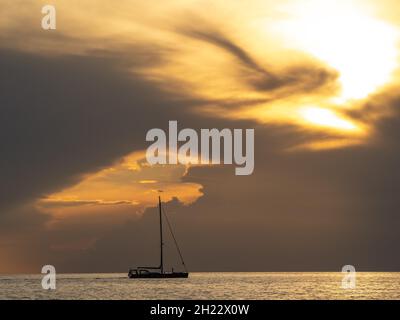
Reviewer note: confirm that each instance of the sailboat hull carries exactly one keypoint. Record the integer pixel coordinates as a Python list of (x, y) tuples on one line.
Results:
[(157, 275)]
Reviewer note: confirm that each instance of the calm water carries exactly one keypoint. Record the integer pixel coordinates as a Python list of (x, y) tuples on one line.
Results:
[(205, 286)]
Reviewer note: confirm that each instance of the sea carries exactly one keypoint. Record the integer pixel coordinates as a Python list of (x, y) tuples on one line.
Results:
[(204, 285)]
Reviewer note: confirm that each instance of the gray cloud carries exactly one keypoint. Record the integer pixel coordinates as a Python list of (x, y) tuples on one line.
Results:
[(66, 116), (63, 117), (292, 81), (299, 211)]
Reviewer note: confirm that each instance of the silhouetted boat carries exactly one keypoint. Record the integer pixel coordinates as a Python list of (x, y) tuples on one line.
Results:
[(158, 272)]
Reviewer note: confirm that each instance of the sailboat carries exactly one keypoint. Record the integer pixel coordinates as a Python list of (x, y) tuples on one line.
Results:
[(158, 272)]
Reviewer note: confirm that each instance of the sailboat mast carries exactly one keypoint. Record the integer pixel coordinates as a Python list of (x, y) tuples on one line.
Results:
[(161, 237)]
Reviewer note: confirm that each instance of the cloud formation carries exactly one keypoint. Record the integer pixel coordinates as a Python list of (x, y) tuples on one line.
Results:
[(76, 103)]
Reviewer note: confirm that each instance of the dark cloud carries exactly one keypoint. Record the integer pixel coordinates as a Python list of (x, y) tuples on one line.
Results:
[(291, 81), (66, 116), (63, 117), (223, 42), (298, 211)]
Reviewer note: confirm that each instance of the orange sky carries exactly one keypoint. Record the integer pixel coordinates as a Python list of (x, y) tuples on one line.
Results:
[(282, 42)]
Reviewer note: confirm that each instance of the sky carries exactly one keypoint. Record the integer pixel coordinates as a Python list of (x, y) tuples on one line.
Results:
[(319, 84)]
